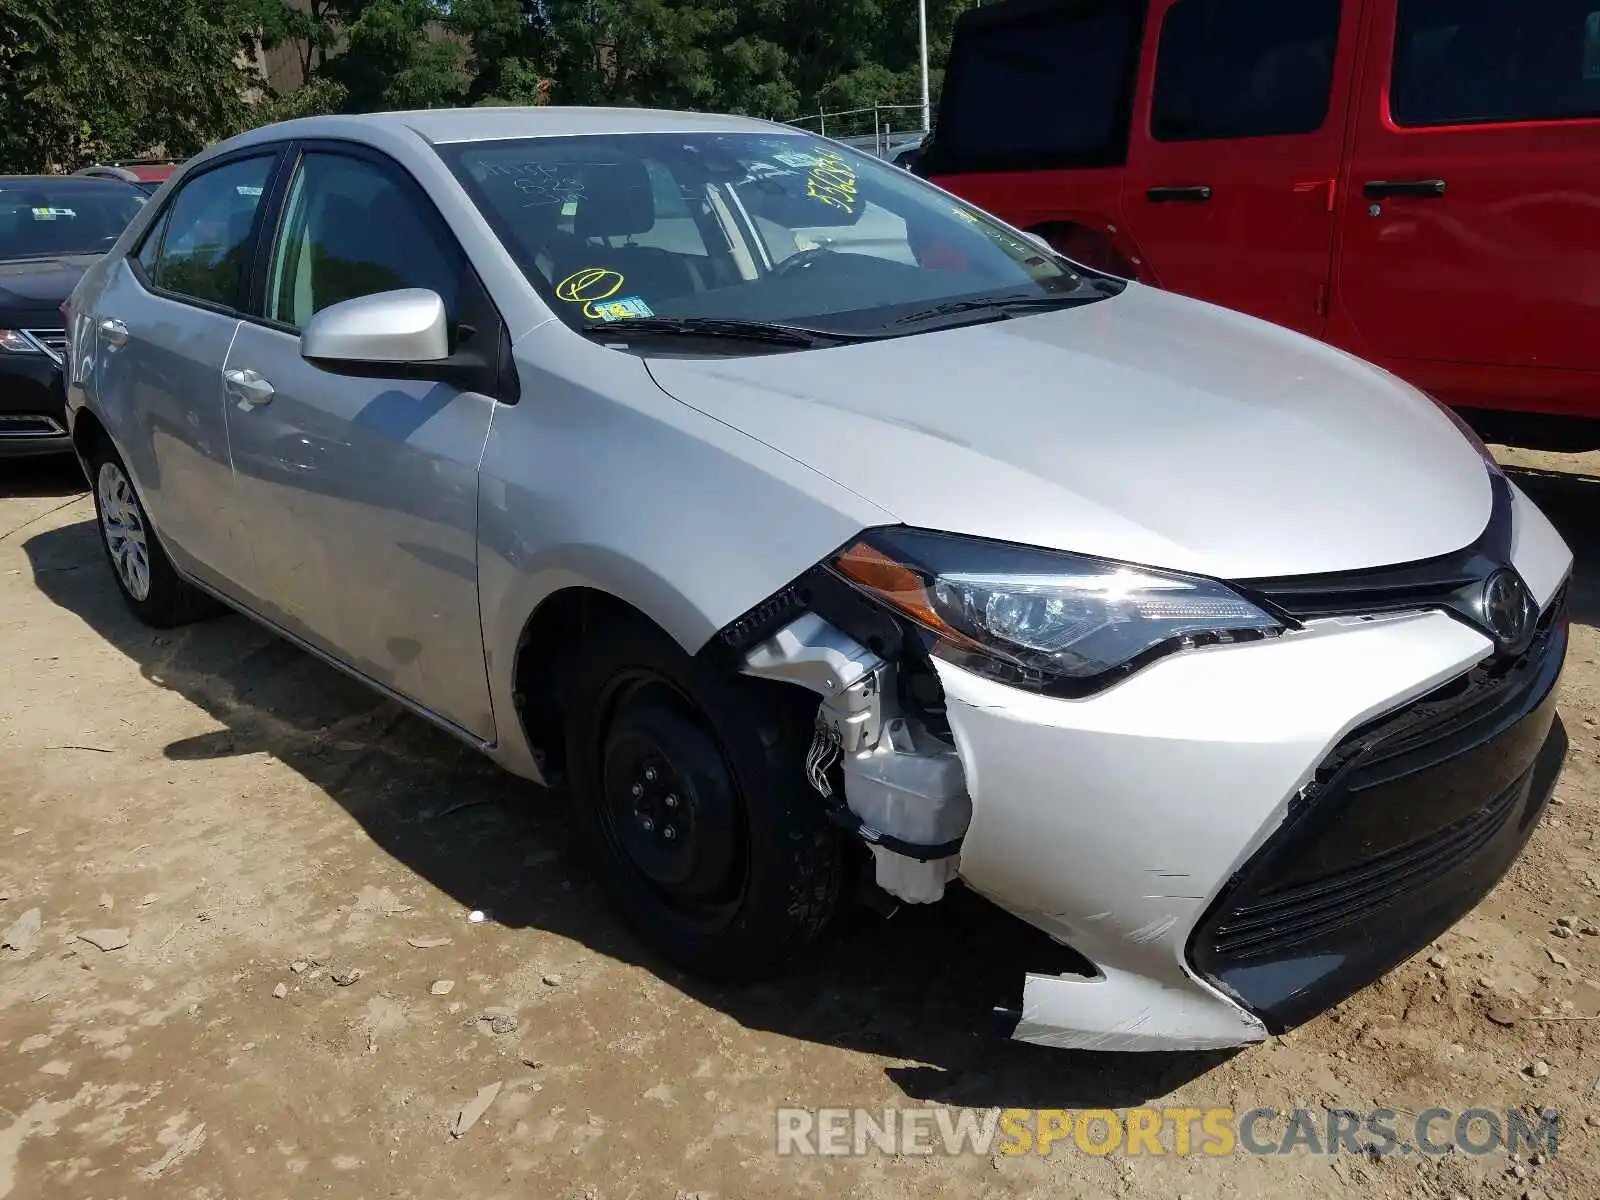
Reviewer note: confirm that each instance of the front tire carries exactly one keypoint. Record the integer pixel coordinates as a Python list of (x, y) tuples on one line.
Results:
[(149, 583), (692, 804)]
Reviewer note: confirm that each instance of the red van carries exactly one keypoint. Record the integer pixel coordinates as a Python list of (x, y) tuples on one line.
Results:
[(1415, 181)]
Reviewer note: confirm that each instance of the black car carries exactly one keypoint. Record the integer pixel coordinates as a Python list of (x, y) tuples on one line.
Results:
[(52, 228)]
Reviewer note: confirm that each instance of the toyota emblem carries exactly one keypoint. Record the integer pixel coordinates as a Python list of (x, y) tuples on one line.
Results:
[(1508, 611)]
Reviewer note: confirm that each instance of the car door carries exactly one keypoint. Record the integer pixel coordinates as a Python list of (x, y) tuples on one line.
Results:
[(1235, 155), (360, 493), (162, 326), (1472, 227)]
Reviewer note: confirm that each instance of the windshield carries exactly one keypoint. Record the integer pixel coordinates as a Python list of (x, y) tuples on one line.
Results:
[(39, 219), (750, 227)]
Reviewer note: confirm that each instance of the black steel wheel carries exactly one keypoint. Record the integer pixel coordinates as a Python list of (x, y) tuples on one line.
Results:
[(692, 803), (670, 803)]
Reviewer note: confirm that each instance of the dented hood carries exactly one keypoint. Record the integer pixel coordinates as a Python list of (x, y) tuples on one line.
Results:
[(1146, 427)]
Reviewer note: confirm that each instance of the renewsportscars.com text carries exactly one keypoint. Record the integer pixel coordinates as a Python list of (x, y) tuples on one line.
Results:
[(1213, 1132)]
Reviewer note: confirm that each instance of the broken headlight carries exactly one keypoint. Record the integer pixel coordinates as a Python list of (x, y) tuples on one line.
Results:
[(1041, 619)]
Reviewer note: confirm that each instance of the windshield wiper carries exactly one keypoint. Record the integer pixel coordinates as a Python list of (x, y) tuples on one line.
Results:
[(720, 327), (1001, 306)]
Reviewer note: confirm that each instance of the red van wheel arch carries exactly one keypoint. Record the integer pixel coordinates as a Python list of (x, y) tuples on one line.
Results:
[(1089, 247)]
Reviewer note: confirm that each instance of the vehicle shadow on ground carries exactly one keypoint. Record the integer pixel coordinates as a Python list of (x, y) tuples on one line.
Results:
[(1572, 502), (58, 475), (918, 987)]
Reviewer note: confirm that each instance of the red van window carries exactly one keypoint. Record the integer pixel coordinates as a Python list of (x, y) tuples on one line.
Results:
[(1466, 62), (1036, 86), (1244, 68)]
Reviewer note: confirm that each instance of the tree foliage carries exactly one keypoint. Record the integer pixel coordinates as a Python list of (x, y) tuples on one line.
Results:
[(776, 58), (111, 78), (106, 79)]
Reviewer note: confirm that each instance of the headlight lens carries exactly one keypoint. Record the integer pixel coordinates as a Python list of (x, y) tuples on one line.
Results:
[(1041, 619), (14, 343)]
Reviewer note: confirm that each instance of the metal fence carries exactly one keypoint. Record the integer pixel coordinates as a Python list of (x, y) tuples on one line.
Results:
[(883, 129)]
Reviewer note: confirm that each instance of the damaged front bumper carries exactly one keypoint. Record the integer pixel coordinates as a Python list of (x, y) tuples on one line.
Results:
[(1183, 833), (1235, 837)]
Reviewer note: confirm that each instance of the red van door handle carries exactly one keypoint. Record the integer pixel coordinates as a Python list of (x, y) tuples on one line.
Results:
[(1198, 194), (1381, 189)]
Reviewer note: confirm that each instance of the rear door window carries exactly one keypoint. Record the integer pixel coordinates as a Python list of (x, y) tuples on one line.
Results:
[(1244, 69), (1045, 88), (1465, 62), (205, 254)]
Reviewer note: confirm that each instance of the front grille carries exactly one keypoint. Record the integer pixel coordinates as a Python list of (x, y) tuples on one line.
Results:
[(52, 341), (1287, 918), (1406, 825), (29, 425)]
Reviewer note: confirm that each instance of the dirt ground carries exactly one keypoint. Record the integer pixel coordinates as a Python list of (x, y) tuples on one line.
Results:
[(261, 828)]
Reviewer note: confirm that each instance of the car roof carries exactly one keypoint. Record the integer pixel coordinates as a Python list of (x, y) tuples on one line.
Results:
[(442, 126), (85, 183)]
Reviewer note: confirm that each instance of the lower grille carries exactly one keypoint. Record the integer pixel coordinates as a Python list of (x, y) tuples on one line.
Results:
[(1292, 917), (29, 425), (1409, 822)]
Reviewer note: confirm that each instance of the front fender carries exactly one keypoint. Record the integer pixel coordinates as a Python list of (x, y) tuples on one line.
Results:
[(597, 478)]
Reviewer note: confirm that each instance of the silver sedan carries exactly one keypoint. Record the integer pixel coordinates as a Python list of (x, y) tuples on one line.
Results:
[(798, 519)]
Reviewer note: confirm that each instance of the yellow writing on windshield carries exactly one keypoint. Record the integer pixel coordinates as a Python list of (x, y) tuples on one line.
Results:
[(589, 286), (833, 181)]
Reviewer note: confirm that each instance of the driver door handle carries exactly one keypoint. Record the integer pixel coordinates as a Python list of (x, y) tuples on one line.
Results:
[(1424, 189), (1198, 194), (248, 387), (113, 332)]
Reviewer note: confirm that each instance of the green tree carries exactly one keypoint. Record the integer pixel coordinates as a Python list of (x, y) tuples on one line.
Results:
[(309, 26), (776, 58), (508, 47), (88, 79), (397, 54), (636, 52), (362, 55), (98, 79)]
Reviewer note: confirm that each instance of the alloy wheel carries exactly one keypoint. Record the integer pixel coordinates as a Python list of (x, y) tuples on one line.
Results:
[(122, 525)]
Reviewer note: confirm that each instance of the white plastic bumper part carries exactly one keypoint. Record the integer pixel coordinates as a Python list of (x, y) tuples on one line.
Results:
[(1112, 822)]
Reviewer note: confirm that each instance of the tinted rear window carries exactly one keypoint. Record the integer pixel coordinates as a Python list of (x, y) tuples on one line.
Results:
[(1244, 68), (40, 218), (1462, 62), (205, 249), (1044, 88)]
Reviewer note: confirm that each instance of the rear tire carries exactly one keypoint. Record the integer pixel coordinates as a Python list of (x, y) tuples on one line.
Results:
[(692, 804), (149, 583)]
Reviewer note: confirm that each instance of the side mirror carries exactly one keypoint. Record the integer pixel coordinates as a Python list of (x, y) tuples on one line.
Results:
[(389, 329)]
